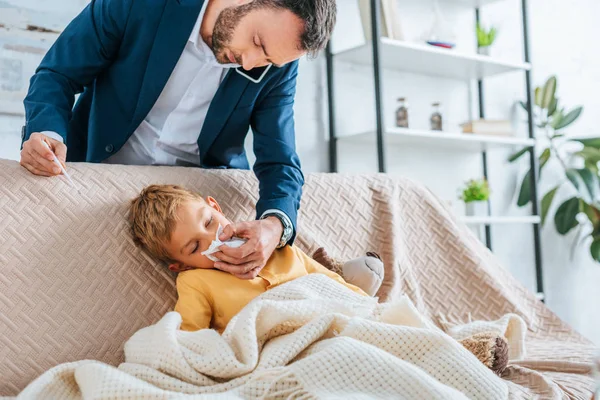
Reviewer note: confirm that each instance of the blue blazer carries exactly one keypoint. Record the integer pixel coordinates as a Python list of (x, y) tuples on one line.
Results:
[(119, 55)]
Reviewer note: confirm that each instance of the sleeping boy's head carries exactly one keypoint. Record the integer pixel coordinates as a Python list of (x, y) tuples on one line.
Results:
[(176, 225)]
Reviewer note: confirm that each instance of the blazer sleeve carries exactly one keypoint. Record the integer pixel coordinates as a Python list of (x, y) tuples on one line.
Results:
[(277, 165), (87, 46)]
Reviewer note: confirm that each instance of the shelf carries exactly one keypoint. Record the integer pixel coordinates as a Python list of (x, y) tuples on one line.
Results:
[(430, 60), (474, 3), (447, 140), (501, 220)]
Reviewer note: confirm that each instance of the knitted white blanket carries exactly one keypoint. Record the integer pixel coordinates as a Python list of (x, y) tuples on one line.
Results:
[(310, 338)]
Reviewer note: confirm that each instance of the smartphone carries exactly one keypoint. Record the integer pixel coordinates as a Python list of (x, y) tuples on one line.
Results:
[(256, 74)]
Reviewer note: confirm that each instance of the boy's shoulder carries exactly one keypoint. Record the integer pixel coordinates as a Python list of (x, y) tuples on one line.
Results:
[(199, 276)]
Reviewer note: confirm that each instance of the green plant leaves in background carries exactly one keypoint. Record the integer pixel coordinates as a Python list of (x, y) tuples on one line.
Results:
[(538, 96), (547, 202), (595, 249), (553, 106), (568, 119), (588, 142), (518, 154), (525, 192), (548, 95), (591, 157), (565, 218), (586, 183)]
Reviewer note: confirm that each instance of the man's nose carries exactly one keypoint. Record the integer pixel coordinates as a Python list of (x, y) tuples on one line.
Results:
[(251, 59)]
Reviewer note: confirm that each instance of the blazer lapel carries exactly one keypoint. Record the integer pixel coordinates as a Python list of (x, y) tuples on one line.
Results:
[(222, 105), (177, 21)]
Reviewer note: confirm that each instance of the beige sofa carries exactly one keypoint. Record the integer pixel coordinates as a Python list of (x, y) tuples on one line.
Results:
[(73, 286)]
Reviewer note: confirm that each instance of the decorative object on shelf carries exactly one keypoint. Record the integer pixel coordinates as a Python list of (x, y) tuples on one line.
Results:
[(583, 181), (475, 194), (391, 26), (441, 33), (402, 113), (485, 39), (391, 16), (436, 118), (488, 127)]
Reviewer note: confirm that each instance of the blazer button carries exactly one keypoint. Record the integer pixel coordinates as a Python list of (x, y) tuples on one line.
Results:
[(109, 148)]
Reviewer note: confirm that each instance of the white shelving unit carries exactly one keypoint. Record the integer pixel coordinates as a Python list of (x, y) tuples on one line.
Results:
[(447, 140), (422, 59), (473, 3), (430, 60), (533, 219)]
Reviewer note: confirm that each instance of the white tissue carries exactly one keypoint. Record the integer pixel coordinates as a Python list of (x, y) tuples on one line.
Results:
[(214, 246)]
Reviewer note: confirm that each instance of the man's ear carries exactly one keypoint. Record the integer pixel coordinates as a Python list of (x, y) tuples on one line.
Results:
[(213, 203)]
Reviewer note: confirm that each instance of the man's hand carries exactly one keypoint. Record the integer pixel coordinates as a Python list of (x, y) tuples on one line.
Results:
[(248, 260), (38, 159)]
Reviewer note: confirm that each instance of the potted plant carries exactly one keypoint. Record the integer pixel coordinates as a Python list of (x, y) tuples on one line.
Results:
[(475, 194), (577, 159), (485, 39)]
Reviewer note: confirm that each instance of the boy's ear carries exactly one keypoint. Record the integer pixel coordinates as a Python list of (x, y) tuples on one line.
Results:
[(176, 267), (213, 203)]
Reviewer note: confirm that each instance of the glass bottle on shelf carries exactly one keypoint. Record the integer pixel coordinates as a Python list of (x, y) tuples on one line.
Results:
[(402, 113), (436, 118)]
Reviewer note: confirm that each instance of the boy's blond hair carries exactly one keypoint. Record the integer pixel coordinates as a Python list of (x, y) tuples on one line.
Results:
[(153, 215)]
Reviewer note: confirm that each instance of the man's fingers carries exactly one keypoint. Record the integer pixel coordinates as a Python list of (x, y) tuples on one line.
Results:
[(36, 145), (61, 151), (238, 270), (251, 246), (250, 275), (235, 261), (38, 161), (34, 170), (228, 232)]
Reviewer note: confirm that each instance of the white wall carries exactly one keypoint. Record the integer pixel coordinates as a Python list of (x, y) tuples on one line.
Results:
[(562, 38)]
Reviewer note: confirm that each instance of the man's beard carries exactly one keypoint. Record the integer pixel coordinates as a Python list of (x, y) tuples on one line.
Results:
[(223, 32)]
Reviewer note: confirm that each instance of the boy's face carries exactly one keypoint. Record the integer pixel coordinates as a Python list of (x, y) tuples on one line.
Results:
[(196, 227)]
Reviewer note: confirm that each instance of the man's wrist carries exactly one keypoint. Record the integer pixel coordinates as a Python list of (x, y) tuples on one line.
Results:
[(276, 223), (284, 222)]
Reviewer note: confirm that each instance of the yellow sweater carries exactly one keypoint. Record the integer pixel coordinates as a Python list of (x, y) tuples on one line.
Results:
[(209, 298)]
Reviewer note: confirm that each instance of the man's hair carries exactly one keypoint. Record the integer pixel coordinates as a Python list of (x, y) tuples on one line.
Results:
[(153, 215), (318, 16)]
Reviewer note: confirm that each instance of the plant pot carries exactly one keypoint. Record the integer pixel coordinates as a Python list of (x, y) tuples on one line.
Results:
[(484, 51), (476, 208)]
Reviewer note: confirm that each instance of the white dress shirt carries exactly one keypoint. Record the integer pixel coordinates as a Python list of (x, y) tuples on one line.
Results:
[(169, 133)]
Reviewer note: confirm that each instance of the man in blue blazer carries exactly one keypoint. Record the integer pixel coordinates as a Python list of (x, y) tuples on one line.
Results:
[(180, 82)]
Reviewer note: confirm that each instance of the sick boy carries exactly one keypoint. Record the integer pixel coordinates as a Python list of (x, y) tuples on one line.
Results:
[(177, 225)]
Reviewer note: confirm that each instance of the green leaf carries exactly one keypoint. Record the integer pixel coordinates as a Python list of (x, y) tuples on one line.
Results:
[(565, 217), (524, 105), (549, 92), (569, 118), (588, 142), (518, 154), (547, 202), (525, 192), (591, 157), (595, 249), (557, 117), (538, 96), (553, 106), (591, 212), (586, 183)]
